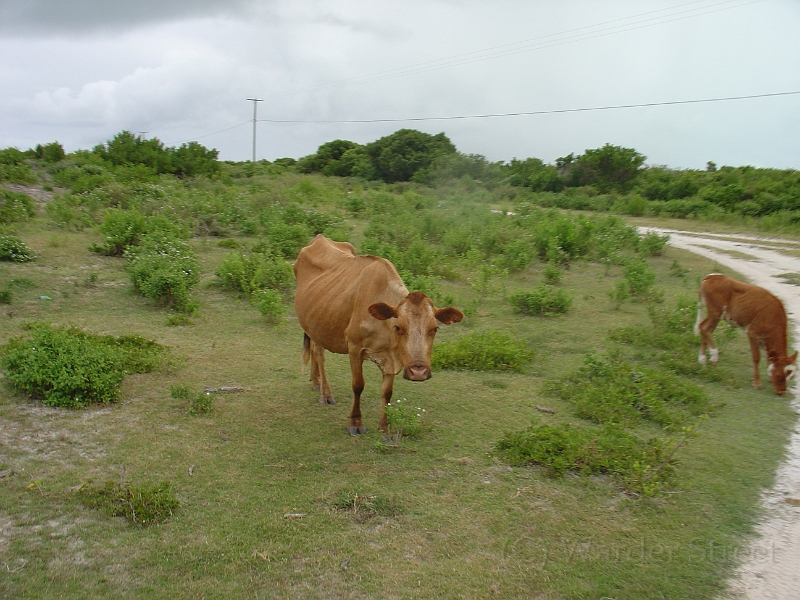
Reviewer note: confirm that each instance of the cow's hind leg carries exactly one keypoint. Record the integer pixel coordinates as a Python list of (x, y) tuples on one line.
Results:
[(754, 349), (357, 371), (318, 377)]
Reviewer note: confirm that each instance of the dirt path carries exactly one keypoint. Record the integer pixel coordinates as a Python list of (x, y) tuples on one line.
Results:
[(771, 568)]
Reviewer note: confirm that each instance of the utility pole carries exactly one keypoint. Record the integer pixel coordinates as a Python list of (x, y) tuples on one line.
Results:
[(255, 102)]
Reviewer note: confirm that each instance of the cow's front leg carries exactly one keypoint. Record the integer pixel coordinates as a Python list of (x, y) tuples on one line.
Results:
[(387, 388), (756, 358), (357, 370)]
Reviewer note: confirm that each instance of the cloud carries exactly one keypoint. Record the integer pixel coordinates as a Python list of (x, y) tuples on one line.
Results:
[(24, 18)]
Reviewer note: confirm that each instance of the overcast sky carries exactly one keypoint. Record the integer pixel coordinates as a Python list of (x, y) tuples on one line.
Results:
[(80, 71)]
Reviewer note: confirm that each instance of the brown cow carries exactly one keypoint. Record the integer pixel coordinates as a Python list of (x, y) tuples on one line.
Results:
[(358, 305), (760, 314)]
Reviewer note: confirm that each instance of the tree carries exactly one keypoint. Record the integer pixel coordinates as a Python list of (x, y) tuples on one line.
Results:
[(407, 154), (607, 168), (193, 159)]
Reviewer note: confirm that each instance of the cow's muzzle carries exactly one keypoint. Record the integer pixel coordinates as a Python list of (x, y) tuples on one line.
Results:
[(417, 372)]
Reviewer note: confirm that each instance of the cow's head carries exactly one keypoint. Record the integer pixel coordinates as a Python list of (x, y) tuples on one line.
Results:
[(414, 327), (781, 370)]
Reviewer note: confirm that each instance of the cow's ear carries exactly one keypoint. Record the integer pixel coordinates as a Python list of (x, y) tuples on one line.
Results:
[(792, 358), (449, 315), (382, 311)]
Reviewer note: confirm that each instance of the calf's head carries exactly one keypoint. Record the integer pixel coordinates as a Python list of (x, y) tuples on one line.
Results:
[(781, 370), (413, 329)]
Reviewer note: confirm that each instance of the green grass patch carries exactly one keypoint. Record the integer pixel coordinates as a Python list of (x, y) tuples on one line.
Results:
[(543, 300), (640, 466), (146, 504), (489, 350)]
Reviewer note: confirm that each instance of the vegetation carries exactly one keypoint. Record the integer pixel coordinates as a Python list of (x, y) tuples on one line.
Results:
[(552, 458), (140, 504), (72, 368)]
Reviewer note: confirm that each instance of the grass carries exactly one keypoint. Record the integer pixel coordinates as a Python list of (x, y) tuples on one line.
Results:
[(443, 519)]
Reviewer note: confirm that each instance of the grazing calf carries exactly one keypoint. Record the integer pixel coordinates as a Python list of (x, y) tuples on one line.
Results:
[(358, 305), (760, 314)]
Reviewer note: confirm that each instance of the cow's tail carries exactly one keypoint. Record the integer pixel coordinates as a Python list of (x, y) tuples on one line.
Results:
[(306, 349), (699, 311)]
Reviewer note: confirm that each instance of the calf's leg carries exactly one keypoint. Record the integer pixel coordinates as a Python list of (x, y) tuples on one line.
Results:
[(706, 328), (756, 357)]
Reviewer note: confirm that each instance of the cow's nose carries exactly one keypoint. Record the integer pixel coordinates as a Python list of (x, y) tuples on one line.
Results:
[(417, 373)]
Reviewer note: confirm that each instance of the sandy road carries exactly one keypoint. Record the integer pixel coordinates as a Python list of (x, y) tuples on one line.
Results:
[(771, 566)]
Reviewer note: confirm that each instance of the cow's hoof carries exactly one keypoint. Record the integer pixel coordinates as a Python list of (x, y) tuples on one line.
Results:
[(356, 430), (326, 401)]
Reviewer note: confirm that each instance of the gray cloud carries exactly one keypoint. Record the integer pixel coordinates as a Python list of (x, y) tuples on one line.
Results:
[(182, 77), (75, 17)]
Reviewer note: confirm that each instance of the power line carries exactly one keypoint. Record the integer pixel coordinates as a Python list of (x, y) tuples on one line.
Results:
[(538, 43), (534, 112)]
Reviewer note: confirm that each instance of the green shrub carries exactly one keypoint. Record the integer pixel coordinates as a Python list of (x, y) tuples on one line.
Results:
[(5, 296), (228, 243), (146, 504), (613, 391), (653, 244), (256, 271), (15, 206), (199, 403), (619, 294), (640, 466), (164, 269), (15, 250), (639, 276), (269, 303), (122, 229), (64, 368), (403, 420), (542, 300), (489, 350), (552, 274), (72, 368)]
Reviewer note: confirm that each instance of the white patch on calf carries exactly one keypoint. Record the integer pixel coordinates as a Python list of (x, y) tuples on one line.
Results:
[(714, 352), (770, 369), (789, 371), (702, 359)]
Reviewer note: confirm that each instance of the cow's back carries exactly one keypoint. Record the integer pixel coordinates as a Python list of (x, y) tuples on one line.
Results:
[(334, 288)]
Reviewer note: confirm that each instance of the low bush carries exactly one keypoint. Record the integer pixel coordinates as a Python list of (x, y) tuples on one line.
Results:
[(542, 300), (13, 249), (146, 504), (613, 391), (653, 244), (403, 419), (489, 350), (199, 403), (15, 206), (640, 276), (164, 269), (270, 304), (640, 466), (71, 368), (255, 271), (122, 229)]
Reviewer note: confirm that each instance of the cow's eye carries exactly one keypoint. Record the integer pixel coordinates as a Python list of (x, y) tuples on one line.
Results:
[(433, 331), (397, 329)]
